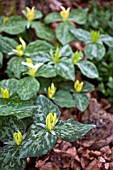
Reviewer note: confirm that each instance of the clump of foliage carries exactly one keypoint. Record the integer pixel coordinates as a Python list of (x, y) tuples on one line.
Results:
[(100, 18), (37, 67)]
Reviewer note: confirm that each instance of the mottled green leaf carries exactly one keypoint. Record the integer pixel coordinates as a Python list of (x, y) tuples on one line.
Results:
[(7, 44), (70, 130), (44, 84), (81, 34), (65, 69), (40, 57), (15, 106), (26, 114), (107, 39), (27, 88), (42, 31), (37, 14), (9, 158), (14, 25), (1, 59), (10, 85), (78, 15), (67, 85), (38, 45), (8, 126), (81, 101), (94, 51), (44, 107), (88, 69), (46, 71), (15, 67), (63, 33), (52, 17), (63, 99), (87, 87), (66, 51), (38, 141)]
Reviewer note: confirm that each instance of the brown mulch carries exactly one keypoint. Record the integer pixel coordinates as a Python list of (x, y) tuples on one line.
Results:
[(93, 152)]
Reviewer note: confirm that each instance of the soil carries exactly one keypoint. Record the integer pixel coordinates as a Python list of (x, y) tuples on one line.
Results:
[(94, 151)]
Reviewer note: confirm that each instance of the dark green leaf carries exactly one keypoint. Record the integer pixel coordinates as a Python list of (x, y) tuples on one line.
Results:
[(8, 126), (67, 86), (10, 85), (14, 25), (66, 51), (70, 130), (43, 31), (78, 15), (63, 33), (63, 99), (27, 88), (38, 141), (107, 39), (81, 101), (26, 114), (38, 45), (40, 57), (52, 17), (15, 106), (44, 107), (37, 14), (65, 69), (94, 51), (81, 34), (9, 159), (44, 84), (87, 87), (46, 71), (7, 44), (15, 67), (88, 69)]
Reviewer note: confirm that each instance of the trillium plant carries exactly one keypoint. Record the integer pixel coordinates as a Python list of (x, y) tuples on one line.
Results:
[(39, 138)]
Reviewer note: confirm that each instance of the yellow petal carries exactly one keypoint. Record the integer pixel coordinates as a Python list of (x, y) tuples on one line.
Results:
[(50, 121), (64, 13), (5, 93), (30, 14), (23, 43), (78, 86), (5, 19), (51, 91), (28, 60), (17, 137)]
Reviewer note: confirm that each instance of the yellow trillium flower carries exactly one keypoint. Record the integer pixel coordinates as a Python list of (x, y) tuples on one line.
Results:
[(32, 68), (23, 43), (51, 91), (78, 86), (30, 14), (5, 19), (17, 137), (64, 13), (76, 56), (95, 36), (5, 93), (20, 48), (51, 121)]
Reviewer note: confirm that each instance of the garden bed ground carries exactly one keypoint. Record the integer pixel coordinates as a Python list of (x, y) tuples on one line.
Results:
[(93, 151)]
